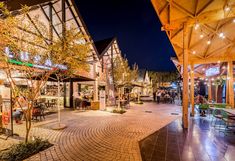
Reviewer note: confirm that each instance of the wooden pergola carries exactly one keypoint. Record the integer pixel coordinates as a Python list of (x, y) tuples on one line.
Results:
[(201, 32)]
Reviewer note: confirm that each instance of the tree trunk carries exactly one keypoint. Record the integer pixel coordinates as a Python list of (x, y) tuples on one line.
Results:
[(28, 123)]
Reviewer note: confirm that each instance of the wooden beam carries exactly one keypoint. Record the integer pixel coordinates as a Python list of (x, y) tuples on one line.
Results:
[(203, 18), (192, 88), (209, 91), (182, 9), (162, 9), (185, 77), (204, 7)]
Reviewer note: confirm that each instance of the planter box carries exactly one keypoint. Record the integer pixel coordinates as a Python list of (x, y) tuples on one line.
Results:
[(95, 105)]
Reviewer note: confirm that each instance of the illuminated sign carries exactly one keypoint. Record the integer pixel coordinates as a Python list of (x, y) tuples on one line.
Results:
[(212, 71), (24, 57)]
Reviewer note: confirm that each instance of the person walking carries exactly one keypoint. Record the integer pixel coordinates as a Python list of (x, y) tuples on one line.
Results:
[(158, 97), (154, 96)]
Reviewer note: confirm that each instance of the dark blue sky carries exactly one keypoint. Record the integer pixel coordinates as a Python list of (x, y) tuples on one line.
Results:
[(136, 26)]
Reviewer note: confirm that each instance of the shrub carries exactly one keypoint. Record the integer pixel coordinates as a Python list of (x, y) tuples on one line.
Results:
[(139, 102), (119, 111), (24, 150)]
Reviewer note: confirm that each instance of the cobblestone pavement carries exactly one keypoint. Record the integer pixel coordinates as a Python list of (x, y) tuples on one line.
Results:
[(98, 135)]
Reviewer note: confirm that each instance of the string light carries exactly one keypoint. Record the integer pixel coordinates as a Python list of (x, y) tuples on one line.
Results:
[(234, 20), (194, 52), (203, 69), (201, 36), (196, 26), (208, 42), (212, 79), (221, 35), (227, 9), (218, 61)]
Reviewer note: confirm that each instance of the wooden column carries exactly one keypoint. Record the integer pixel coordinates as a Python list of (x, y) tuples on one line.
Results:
[(231, 92), (192, 89), (209, 91), (227, 90), (185, 76)]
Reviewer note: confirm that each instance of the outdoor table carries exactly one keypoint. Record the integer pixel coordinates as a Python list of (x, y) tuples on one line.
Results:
[(230, 111)]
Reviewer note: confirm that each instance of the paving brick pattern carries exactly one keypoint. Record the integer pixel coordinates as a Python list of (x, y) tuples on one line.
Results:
[(101, 136)]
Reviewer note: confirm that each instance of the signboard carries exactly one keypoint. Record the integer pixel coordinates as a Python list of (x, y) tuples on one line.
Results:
[(102, 100), (212, 71), (25, 57)]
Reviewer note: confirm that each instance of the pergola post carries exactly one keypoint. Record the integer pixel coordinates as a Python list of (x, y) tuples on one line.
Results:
[(192, 89), (185, 76), (231, 92), (209, 90), (227, 90)]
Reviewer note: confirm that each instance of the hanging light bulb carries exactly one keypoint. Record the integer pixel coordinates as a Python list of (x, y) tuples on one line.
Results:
[(213, 84), (203, 69), (201, 36), (212, 79), (208, 42), (227, 9), (234, 20), (218, 61), (194, 52), (196, 26), (221, 35), (228, 78)]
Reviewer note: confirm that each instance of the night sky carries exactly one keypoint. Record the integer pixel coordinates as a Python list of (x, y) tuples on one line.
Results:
[(136, 26)]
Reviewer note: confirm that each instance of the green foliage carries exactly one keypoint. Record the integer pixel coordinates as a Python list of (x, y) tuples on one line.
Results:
[(121, 111), (23, 150), (160, 77), (219, 81), (123, 74), (220, 105), (203, 106)]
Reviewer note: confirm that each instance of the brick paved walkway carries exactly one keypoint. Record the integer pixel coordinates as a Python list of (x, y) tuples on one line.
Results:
[(97, 135)]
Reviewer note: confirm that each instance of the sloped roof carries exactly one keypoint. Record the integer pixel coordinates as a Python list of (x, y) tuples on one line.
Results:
[(208, 25), (103, 45)]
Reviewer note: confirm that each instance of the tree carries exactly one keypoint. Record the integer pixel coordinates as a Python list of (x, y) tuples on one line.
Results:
[(26, 49), (123, 75), (158, 78)]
